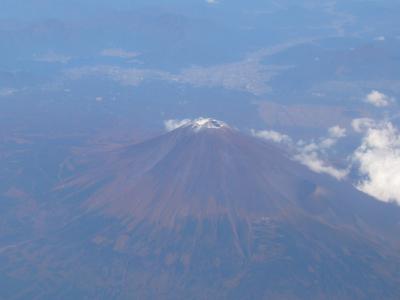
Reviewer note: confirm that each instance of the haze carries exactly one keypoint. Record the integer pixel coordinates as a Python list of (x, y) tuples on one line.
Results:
[(83, 83)]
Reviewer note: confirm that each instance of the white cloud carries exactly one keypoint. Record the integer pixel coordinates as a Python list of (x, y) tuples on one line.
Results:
[(272, 135), (312, 160), (52, 57), (334, 134), (173, 124), (378, 99), (311, 154), (6, 92), (212, 1), (121, 53), (378, 160), (362, 124), (337, 132)]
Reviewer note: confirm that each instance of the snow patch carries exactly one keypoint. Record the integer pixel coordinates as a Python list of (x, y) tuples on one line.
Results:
[(202, 123), (195, 124)]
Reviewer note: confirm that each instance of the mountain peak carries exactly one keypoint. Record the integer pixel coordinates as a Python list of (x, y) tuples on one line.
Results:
[(206, 123), (204, 199)]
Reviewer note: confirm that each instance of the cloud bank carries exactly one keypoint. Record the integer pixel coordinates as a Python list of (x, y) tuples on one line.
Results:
[(378, 159)]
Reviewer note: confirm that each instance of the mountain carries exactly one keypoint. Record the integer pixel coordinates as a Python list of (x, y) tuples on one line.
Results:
[(205, 212)]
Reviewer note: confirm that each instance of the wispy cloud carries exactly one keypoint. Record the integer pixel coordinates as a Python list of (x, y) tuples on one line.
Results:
[(52, 57), (380, 38), (337, 132), (272, 135), (121, 53), (378, 99), (174, 124), (312, 154), (7, 92), (312, 159), (362, 124)]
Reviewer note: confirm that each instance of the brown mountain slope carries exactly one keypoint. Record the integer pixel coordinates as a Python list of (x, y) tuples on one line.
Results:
[(206, 212)]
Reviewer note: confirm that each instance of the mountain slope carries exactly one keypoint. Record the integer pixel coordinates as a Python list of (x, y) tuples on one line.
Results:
[(206, 212)]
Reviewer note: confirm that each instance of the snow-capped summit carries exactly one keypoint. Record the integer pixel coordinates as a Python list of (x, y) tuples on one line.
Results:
[(207, 123), (196, 124)]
